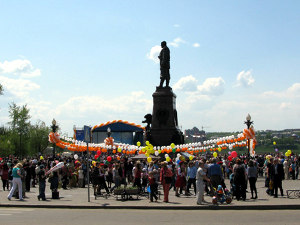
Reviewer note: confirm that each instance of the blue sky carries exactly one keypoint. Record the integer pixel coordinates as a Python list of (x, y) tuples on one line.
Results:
[(88, 62)]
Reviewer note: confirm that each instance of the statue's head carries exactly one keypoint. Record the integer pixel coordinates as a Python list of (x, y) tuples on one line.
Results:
[(163, 44)]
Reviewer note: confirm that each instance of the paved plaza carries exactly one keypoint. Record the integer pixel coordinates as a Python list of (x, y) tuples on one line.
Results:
[(16, 216), (78, 198)]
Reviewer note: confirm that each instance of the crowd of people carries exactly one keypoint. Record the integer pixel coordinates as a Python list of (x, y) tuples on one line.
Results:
[(202, 175)]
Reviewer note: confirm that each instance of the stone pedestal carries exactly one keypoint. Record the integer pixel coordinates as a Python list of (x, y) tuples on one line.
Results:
[(164, 129)]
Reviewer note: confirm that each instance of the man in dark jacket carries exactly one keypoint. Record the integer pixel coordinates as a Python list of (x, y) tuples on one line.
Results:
[(164, 58), (278, 177)]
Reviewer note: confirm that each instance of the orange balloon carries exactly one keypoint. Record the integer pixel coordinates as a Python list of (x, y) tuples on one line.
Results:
[(114, 151)]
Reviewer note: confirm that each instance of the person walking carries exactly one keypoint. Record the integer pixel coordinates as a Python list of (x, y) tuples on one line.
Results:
[(286, 167), (165, 179), (181, 179), (116, 177), (42, 183), (215, 174), (17, 182), (191, 174), (278, 177), (4, 176), (252, 172), (137, 174), (200, 185), (240, 180), (153, 186)]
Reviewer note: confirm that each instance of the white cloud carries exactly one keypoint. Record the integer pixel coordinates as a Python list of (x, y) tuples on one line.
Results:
[(196, 45), (294, 89), (188, 83), (85, 105), (176, 42), (212, 86), (21, 67), (245, 79), (291, 93), (154, 52), (176, 25), (18, 87), (285, 105)]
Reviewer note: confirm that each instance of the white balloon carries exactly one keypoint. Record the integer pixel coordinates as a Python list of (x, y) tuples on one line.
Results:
[(156, 153), (76, 156)]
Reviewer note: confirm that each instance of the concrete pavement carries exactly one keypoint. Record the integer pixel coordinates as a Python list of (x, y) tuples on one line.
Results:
[(16, 216), (78, 198)]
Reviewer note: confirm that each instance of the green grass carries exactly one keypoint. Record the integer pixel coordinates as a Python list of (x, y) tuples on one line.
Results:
[(267, 149)]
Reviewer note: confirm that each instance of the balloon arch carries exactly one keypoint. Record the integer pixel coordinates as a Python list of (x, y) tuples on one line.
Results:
[(213, 145)]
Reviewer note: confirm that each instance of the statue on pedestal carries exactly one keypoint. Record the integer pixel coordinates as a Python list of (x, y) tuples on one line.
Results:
[(164, 58)]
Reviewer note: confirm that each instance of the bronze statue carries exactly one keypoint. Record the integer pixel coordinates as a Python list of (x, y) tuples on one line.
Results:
[(164, 58)]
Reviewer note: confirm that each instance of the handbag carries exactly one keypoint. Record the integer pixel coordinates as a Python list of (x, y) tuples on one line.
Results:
[(271, 185)]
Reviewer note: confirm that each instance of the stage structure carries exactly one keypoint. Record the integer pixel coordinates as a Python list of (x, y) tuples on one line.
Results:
[(121, 131)]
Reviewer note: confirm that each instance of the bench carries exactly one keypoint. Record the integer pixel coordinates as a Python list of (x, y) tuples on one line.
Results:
[(293, 193)]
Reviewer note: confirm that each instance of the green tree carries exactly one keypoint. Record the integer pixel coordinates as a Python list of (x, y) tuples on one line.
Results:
[(5, 142), (20, 126), (38, 137)]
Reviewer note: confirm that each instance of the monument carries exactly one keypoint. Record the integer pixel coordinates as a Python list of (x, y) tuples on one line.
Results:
[(164, 128)]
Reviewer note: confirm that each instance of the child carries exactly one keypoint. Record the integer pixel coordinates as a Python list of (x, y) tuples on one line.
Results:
[(144, 179), (153, 187)]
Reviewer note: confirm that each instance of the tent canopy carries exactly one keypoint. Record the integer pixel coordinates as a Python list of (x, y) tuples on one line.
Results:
[(118, 126)]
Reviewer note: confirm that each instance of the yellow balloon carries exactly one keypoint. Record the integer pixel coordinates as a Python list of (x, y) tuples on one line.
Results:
[(41, 157), (168, 159), (159, 151), (289, 151), (149, 159), (172, 145), (219, 149), (274, 142), (147, 143), (147, 154), (215, 154), (191, 157), (287, 154), (138, 143), (119, 149)]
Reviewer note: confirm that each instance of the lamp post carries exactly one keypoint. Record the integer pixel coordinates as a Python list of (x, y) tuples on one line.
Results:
[(54, 128), (248, 122)]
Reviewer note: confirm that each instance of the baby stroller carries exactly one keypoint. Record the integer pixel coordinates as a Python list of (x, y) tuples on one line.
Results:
[(221, 195)]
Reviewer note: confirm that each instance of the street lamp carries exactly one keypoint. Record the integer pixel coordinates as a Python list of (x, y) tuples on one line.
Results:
[(248, 122), (54, 128)]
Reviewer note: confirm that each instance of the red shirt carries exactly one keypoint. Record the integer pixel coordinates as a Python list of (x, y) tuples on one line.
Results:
[(151, 180)]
